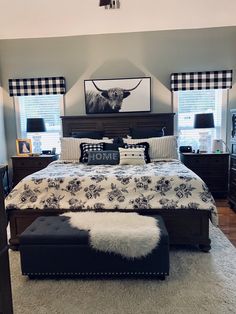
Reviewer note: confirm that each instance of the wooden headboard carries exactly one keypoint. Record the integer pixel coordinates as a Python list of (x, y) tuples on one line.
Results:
[(117, 125)]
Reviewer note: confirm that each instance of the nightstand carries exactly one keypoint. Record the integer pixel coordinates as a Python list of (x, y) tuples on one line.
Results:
[(23, 166), (213, 169)]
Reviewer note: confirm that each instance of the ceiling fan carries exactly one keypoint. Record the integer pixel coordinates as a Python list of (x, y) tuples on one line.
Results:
[(110, 4)]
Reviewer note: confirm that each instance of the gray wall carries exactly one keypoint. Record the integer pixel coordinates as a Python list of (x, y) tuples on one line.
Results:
[(155, 54)]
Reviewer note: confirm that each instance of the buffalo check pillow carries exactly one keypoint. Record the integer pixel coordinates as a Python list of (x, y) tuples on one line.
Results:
[(88, 147)]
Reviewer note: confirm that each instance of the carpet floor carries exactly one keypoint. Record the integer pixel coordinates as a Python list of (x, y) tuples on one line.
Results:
[(198, 283)]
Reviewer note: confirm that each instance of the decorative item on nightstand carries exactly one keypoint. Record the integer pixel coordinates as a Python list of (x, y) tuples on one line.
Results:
[(218, 146), (204, 121), (36, 125)]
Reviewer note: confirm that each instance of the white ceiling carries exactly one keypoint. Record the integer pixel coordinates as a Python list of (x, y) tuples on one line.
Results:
[(53, 18)]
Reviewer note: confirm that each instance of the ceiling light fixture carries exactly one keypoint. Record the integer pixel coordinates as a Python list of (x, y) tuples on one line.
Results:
[(110, 4)]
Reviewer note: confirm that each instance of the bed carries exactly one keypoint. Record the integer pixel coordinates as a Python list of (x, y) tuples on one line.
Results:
[(188, 225)]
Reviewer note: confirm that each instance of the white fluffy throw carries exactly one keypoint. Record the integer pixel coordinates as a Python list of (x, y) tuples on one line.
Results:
[(128, 234)]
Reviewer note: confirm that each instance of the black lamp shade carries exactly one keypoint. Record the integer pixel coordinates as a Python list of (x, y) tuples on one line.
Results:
[(204, 121), (104, 2), (35, 125)]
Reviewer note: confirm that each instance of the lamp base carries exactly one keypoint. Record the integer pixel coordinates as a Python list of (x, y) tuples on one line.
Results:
[(204, 141)]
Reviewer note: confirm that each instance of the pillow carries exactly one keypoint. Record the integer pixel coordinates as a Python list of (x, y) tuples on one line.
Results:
[(144, 145), (159, 147), (118, 140), (88, 134), (70, 147), (146, 133), (105, 157), (87, 147), (113, 146), (132, 156)]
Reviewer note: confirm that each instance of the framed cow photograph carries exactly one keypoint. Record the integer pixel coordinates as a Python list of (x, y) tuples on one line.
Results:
[(117, 95)]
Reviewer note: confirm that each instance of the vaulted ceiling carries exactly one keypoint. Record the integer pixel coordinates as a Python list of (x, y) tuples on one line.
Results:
[(53, 18)]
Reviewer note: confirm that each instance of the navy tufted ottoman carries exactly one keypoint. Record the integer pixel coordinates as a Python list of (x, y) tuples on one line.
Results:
[(50, 247)]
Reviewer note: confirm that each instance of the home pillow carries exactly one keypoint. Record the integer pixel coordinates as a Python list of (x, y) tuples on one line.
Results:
[(87, 147), (144, 145), (88, 134), (159, 147), (146, 133), (132, 156), (105, 157), (70, 147)]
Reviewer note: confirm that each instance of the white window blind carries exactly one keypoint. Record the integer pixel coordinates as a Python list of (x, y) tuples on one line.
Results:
[(48, 107), (188, 103)]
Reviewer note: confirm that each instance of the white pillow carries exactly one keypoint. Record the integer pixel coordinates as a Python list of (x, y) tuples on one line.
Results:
[(70, 146), (159, 147), (132, 156)]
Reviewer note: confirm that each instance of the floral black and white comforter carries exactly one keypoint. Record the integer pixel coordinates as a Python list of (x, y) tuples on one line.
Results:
[(75, 186)]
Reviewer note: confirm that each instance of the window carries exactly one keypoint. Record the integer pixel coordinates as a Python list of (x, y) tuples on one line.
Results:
[(188, 103), (48, 107)]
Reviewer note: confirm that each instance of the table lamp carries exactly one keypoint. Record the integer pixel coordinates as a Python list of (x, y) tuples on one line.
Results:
[(204, 121), (36, 125)]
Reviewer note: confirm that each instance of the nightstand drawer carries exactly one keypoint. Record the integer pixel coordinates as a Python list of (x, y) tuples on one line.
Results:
[(196, 161), (30, 163), (206, 162)]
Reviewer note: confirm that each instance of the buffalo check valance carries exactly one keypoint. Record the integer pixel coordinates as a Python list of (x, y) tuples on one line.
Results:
[(201, 80), (37, 86)]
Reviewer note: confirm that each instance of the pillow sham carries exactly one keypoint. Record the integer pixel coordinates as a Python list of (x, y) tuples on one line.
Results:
[(132, 156), (70, 147), (159, 147), (144, 145), (146, 133), (105, 157), (88, 134), (87, 147)]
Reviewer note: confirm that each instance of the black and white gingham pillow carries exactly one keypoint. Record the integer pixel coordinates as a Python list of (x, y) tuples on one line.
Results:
[(144, 145), (88, 147)]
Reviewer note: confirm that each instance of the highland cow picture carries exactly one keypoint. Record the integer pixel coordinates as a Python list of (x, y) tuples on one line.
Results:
[(117, 95)]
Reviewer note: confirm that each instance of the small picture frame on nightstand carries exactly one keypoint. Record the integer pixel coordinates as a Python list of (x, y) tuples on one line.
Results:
[(23, 147)]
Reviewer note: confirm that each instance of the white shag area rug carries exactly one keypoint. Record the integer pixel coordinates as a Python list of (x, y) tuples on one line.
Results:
[(198, 283), (127, 234)]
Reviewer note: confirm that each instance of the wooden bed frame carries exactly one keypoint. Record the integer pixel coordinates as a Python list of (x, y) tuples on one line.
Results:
[(187, 227)]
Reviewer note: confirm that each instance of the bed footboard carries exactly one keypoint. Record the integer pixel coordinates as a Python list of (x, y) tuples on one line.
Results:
[(185, 227)]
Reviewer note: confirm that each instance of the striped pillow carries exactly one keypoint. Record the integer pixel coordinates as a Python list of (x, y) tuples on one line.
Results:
[(132, 156), (159, 147), (70, 147)]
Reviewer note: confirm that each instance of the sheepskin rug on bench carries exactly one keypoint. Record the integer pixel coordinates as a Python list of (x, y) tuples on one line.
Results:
[(128, 234)]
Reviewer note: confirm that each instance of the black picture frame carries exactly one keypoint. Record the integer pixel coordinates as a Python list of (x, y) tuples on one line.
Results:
[(120, 95)]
